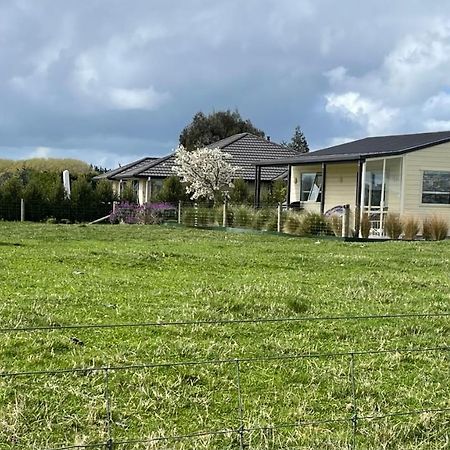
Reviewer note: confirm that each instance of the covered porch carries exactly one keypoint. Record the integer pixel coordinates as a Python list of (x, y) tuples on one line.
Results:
[(368, 185)]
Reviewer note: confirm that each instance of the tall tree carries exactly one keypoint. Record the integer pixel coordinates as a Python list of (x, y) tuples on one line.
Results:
[(207, 129), (298, 141)]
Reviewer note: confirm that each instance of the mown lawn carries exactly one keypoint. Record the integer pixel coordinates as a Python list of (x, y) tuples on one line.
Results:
[(70, 274)]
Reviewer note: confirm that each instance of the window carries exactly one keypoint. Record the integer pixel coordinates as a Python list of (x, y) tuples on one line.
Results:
[(310, 187), (436, 187)]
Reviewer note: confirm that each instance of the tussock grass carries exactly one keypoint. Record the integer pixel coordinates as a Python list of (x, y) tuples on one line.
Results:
[(123, 274)]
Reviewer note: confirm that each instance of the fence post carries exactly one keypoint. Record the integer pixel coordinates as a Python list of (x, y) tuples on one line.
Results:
[(279, 218), (22, 210), (114, 206), (179, 211), (224, 218), (109, 444), (346, 221), (354, 417), (195, 214), (241, 410)]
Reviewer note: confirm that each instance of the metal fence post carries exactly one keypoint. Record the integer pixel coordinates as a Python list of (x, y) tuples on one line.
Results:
[(354, 405), (109, 445), (179, 211), (195, 214), (22, 210), (279, 218), (241, 413)]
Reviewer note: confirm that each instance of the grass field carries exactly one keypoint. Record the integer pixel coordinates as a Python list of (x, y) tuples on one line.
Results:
[(61, 275)]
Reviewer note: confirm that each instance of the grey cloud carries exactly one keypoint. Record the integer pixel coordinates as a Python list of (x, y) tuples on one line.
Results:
[(109, 80)]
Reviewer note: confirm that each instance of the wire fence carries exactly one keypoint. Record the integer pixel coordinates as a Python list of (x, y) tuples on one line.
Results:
[(329, 399)]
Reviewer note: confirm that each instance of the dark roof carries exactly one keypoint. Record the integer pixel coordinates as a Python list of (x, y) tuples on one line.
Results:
[(369, 147), (125, 170), (245, 149), (160, 168), (134, 169)]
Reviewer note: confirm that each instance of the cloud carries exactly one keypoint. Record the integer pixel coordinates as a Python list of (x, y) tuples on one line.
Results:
[(137, 98), (369, 114), (40, 152)]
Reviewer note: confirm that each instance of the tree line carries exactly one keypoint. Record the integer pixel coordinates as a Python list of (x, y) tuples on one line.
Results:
[(46, 199)]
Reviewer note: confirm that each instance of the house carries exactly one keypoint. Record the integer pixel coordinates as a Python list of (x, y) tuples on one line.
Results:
[(147, 174), (402, 174)]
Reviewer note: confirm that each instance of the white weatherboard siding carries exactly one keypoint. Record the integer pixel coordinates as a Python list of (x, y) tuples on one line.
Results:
[(340, 185), (432, 158)]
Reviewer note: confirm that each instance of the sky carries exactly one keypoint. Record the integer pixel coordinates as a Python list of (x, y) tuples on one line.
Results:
[(110, 81)]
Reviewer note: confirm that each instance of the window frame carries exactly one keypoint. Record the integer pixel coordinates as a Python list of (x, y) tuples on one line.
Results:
[(315, 176), (436, 193)]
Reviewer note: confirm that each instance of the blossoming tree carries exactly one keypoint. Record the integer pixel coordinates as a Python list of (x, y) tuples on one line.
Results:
[(206, 172)]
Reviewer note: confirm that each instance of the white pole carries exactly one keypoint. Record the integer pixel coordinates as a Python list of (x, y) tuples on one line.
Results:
[(224, 218), (22, 210), (279, 218), (383, 181), (179, 211), (363, 191), (345, 221)]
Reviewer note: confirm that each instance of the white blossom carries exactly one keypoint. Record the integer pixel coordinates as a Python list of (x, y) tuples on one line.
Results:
[(205, 171)]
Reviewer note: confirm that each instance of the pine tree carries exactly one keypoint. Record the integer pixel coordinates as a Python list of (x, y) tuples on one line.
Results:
[(298, 141)]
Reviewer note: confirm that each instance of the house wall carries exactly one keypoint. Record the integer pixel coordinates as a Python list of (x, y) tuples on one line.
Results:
[(142, 191), (432, 158), (115, 186), (340, 187)]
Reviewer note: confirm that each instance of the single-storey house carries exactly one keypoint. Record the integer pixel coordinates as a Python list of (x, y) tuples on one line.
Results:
[(148, 174), (403, 174)]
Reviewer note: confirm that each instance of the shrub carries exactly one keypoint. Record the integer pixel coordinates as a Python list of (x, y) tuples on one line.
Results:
[(438, 228), (411, 228), (335, 224), (188, 216), (365, 226), (242, 216), (291, 222), (393, 226), (426, 229), (261, 217), (313, 224)]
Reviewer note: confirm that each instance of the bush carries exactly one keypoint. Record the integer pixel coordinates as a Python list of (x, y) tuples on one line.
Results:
[(426, 229), (393, 226), (149, 213), (243, 216), (188, 217), (292, 222), (365, 226), (313, 224), (435, 228), (263, 219), (335, 224), (411, 228)]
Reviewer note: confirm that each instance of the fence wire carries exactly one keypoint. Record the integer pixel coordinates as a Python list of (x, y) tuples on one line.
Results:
[(241, 430)]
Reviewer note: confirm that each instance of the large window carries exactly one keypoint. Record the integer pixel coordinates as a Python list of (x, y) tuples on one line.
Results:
[(436, 187), (310, 187)]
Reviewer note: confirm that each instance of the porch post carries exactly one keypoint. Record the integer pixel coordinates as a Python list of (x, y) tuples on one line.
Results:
[(383, 190), (288, 190), (359, 177), (148, 190), (257, 186), (322, 198)]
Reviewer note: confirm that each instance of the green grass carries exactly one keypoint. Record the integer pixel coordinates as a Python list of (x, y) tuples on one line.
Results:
[(61, 275)]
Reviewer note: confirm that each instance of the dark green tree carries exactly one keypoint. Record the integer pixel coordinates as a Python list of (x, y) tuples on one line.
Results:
[(10, 195), (207, 129), (298, 141), (83, 200), (172, 190), (239, 194)]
